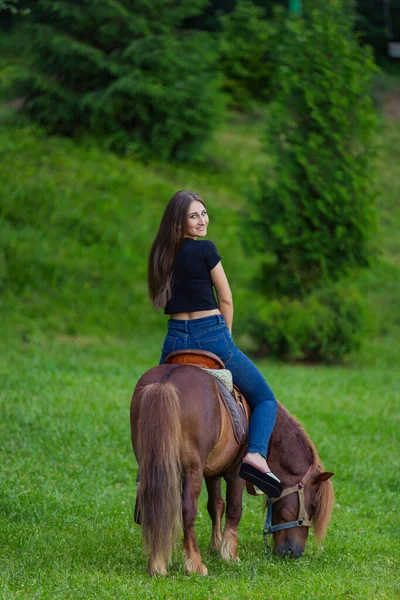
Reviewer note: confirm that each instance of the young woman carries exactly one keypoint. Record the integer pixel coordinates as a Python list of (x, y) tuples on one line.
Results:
[(183, 270)]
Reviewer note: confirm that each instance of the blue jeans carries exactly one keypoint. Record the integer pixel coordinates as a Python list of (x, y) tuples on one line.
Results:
[(212, 334)]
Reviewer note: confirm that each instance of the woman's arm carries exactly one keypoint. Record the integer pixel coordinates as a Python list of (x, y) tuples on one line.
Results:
[(224, 293)]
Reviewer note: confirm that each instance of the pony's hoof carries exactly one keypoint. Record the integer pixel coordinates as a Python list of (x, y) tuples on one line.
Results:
[(192, 568), (156, 573), (229, 551), (215, 545), (203, 570), (157, 567)]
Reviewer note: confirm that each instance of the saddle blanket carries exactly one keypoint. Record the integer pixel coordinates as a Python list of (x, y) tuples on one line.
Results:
[(224, 376), (235, 410)]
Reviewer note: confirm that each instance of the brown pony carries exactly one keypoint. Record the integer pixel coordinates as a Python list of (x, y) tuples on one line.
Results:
[(182, 432)]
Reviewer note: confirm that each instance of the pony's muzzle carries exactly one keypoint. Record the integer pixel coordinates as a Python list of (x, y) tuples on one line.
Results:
[(290, 550)]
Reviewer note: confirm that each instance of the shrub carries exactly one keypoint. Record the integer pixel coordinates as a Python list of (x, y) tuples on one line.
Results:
[(312, 221), (316, 210), (124, 70), (325, 326)]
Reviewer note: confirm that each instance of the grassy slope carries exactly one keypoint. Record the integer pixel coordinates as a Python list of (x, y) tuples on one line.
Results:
[(76, 225), (63, 270), (67, 478)]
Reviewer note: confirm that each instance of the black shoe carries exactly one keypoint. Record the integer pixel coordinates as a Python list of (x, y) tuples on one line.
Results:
[(267, 484)]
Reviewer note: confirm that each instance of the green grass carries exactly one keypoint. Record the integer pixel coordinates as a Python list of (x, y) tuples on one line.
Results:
[(77, 332), (68, 472), (67, 482)]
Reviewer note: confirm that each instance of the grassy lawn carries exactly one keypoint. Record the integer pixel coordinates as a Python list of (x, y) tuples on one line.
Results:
[(76, 334), (68, 482)]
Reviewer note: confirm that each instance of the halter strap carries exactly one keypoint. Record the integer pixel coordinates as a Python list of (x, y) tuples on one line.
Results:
[(303, 519)]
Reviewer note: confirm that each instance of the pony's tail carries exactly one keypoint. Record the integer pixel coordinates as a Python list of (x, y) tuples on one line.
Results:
[(159, 495)]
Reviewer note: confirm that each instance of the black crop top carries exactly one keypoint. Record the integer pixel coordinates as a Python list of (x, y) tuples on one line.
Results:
[(192, 288)]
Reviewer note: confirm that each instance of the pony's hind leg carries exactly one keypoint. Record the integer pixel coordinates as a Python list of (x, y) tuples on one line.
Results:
[(191, 492), (216, 507), (234, 493)]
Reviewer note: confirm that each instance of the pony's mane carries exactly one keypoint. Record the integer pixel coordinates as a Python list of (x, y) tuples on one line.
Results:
[(325, 495)]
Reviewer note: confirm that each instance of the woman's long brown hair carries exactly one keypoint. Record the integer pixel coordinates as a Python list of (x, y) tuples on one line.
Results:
[(166, 245)]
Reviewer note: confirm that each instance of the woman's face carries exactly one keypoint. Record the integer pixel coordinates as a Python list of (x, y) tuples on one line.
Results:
[(197, 220)]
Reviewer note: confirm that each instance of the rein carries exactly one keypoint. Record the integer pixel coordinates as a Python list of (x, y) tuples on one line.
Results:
[(303, 519)]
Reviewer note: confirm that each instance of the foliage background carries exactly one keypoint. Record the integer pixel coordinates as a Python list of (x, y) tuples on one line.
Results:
[(76, 222), (66, 55), (311, 224)]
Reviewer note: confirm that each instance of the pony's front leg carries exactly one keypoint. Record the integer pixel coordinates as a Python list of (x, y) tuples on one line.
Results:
[(191, 491), (234, 493), (216, 507)]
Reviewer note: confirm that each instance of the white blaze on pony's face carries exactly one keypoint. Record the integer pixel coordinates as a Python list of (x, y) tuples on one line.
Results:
[(197, 220)]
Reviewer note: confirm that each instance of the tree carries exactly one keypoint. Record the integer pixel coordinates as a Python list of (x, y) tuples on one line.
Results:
[(245, 42), (372, 27), (124, 70), (313, 218), (11, 5)]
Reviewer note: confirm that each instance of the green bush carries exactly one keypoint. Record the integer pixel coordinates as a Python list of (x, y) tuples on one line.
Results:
[(312, 222), (314, 215), (125, 71), (326, 326)]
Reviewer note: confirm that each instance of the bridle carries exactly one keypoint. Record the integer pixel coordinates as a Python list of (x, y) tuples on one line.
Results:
[(303, 519)]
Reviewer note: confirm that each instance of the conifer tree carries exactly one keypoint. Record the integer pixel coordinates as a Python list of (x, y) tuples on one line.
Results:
[(313, 218), (246, 39), (126, 70)]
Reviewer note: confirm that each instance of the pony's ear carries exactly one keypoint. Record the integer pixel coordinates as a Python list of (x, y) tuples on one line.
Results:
[(324, 476)]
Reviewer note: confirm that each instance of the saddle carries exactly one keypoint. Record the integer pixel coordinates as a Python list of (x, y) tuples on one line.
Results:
[(230, 395), (197, 358)]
